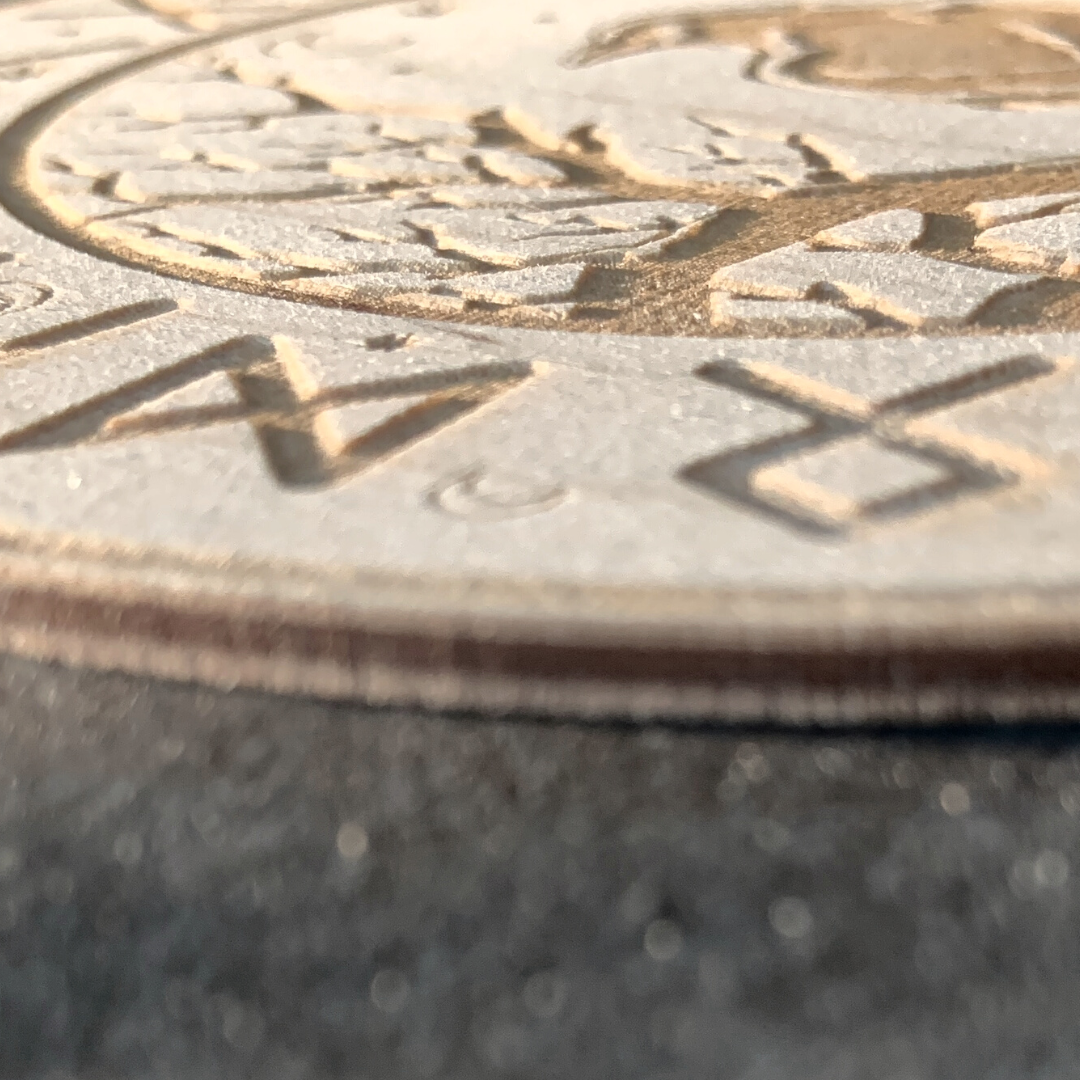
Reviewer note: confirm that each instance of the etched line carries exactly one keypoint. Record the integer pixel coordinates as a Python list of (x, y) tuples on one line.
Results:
[(101, 323), (92, 420)]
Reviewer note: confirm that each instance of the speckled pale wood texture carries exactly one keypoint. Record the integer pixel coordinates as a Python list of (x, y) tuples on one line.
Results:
[(207, 484)]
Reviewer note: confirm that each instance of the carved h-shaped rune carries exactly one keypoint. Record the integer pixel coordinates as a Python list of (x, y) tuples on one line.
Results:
[(279, 398), (968, 465)]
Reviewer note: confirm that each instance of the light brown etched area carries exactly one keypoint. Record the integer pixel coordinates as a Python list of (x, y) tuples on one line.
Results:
[(672, 296), (198, 169), (993, 55), (668, 294)]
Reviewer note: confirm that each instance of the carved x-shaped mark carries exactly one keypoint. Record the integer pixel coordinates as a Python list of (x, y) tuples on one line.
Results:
[(748, 475), (278, 396)]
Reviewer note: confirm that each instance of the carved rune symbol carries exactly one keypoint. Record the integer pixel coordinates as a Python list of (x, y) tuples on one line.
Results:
[(761, 476), (277, 395)]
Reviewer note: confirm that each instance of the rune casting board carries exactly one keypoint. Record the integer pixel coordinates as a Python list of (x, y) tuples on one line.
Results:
[(597, 357)]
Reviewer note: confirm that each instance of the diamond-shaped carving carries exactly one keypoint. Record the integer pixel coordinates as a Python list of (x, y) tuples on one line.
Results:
[(856, 460), (854, 478)]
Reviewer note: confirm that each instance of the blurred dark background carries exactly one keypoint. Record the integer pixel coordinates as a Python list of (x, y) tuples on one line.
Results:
[(197, 885)]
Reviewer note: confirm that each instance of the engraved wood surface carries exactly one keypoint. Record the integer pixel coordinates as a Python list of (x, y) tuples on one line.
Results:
[(415, 330)]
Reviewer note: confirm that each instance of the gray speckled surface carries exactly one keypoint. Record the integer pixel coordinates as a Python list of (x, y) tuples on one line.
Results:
[(196, 885)]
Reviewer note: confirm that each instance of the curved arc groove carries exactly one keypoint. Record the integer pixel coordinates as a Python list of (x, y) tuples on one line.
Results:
[(18, 138)]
